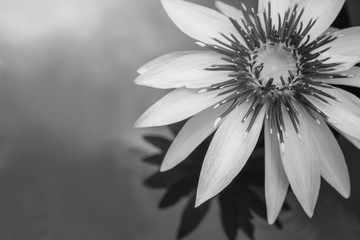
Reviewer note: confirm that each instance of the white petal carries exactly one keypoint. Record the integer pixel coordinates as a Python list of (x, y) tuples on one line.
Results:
[(332, 162), (276, 182), (353, 81), (177, 105), (228, 152), (354, 141), (200, 23), (186, 70), (233, 13), (347, 62), (325, 11), (332, 30), (344, 113), (230, 11), (347, 43), (301, 163), (191, 135), (159, 61)]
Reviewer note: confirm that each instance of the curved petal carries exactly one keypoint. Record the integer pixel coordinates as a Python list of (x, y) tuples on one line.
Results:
[(354, 141), (301, 162), (332, 161), (229, 11), (332, 30), (347, 42), (353, 80), (198, 22), (228, 152), (164, 59), (276, 182), (185, 71), (343, 113), (177, 105), (195, 130), (347, 62), (325, 11), (233, 13)]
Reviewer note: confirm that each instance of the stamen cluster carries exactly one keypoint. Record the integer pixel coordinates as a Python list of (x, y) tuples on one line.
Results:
[(290, 36)]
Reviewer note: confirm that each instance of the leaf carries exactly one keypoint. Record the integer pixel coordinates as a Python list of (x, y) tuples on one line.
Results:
[(192, 217)]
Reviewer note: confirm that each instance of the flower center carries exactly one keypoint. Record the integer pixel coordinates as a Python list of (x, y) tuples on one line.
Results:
[(274, 67), (275, 63)]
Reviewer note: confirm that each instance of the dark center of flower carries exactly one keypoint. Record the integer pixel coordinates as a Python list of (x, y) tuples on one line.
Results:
[(273, 66)]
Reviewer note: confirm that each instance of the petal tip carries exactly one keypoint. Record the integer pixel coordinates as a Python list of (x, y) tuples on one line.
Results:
[(309, 211), (271, 219), (347, 195), (141, 123), (272, 215), (346, 192), (165, 167), (141, 70), (202, 194), (345, 188), (139, 79), (171, 159), (308, 206), (137, 125), (199, 201)]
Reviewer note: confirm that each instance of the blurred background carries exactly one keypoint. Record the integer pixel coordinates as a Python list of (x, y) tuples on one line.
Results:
[(70, 163)]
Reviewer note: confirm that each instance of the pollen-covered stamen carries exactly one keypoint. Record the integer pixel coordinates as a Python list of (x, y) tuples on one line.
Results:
[(274, 66)]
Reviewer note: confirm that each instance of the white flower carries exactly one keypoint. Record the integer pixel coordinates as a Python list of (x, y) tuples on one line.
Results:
[(275, 67)]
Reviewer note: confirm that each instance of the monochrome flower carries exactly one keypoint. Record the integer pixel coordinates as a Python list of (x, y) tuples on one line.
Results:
[(275, 67)]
